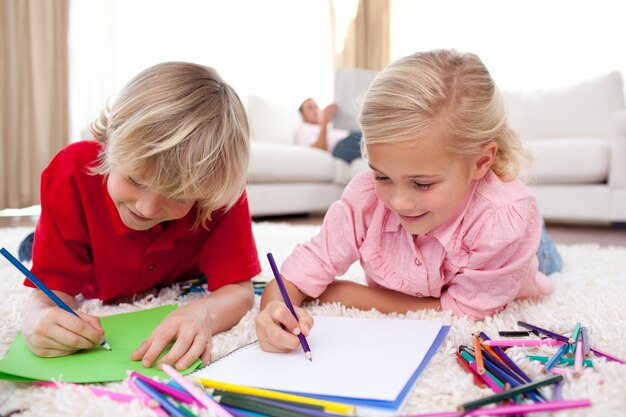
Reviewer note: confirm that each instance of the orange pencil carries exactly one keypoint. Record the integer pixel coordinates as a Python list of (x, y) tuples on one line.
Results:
[(478, 355), (495, 355)]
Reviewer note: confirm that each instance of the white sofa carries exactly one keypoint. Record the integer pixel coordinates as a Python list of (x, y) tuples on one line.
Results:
[(577, 136)]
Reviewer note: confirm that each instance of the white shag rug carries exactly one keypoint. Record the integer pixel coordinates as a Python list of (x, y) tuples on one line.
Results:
[(590, 289)]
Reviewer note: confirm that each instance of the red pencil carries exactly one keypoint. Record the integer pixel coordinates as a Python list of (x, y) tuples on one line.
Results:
[(477, 379)]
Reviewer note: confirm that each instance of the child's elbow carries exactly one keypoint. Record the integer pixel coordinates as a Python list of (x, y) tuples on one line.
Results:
[(247, 297)]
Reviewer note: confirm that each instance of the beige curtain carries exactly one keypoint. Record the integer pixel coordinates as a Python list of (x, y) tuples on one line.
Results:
[(34, 94), (361, 33)]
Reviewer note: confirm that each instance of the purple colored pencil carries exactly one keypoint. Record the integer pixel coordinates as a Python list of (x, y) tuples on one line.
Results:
[(285, 295), (584, 336), (530, 408), (607, 355), (502, 354), (557, 394), (549, 333)]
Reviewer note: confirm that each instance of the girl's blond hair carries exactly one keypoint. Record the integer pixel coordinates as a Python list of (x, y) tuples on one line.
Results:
[(182, 131), (442, 91)]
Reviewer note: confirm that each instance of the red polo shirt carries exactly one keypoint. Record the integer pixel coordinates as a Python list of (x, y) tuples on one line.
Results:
[(83, 247)]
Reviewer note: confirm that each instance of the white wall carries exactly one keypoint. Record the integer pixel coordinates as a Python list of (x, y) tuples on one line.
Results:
[(526, 44)]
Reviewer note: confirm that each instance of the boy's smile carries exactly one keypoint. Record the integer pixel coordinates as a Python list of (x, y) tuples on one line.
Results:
[(140, 208)]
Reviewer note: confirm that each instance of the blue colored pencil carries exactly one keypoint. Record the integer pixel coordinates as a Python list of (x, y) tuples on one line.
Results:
[(37, 283), (555, 358), (502, 354), (285, 295), (163, 401)]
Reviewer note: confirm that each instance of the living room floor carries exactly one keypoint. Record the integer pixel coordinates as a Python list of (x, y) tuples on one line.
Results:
[(567, 234)]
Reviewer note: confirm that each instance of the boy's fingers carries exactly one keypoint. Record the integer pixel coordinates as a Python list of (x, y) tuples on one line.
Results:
[(80, 327), (156, 345), (140, 351), (197, 348), (61, 338), (179, 348)]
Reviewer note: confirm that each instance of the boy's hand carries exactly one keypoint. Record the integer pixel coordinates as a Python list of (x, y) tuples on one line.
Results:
[(277, 328), (189, 327), (50, 331)]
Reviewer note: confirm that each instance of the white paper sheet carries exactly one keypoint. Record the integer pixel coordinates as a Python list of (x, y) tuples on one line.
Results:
[(352, 357)]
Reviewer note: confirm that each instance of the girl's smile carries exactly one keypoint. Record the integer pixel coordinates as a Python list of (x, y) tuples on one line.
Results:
[(421, 182)]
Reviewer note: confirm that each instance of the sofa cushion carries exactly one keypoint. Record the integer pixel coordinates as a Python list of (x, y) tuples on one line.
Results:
[(270, 121), (584, 109), (574, 160), (289, 163)]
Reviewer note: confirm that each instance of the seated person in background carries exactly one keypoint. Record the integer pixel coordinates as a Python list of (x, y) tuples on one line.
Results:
[(316, 132)]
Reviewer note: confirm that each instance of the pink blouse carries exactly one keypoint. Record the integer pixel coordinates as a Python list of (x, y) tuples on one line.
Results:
[(476, 263)]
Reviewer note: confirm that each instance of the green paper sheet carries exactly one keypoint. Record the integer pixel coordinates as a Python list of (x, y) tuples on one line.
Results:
[(124, 332)]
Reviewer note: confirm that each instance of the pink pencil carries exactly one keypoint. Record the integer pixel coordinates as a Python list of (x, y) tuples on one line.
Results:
[(444, 414), (485, 377), (555, 370), (117, 396), (157, 410), (578, 359), (166, 389), (522, 342), (206, 401), (530, 408)]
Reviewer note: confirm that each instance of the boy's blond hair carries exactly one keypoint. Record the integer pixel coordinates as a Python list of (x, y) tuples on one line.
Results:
[(181, 131), (442, 91)]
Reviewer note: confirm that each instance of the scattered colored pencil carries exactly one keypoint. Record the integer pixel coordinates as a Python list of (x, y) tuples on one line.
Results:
[(117, 396), (584, 336), (192, 389), (328, 405), (43, 288), (157, 410), (562, 361), (499, 353), (165, 389), (607, 355), (578, 359), (556, 357), (548, 333), (480, 367), (531, 408), (574, 338), (522, 342), (514, 333), (287, 300), (531, 386), (489, 380), (465, 364), (168, 406)]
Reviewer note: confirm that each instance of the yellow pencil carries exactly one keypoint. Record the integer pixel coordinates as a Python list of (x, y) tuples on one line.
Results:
[(328, 405)]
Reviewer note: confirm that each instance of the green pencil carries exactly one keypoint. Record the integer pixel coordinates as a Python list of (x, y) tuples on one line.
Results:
[(509, 394), (564, 361), (259, 407), (235, 396)]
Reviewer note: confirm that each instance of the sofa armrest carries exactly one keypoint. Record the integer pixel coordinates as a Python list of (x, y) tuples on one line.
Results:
[(617, 169)]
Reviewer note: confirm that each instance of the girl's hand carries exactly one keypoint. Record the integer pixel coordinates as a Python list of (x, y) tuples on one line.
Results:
[(189, 327), (277, 329), (50, 331)]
